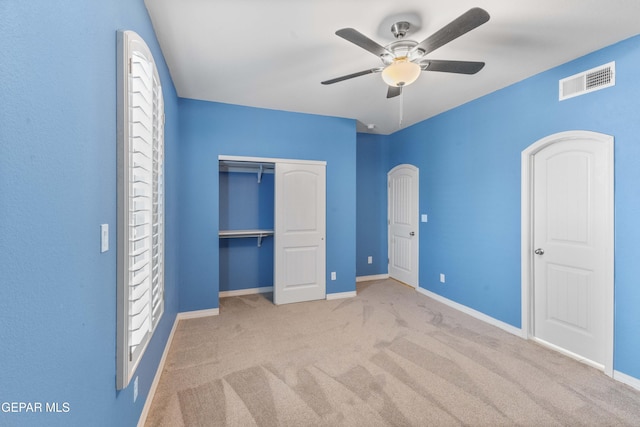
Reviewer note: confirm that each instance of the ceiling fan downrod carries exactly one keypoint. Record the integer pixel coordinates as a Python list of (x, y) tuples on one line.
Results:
[(400, 29)]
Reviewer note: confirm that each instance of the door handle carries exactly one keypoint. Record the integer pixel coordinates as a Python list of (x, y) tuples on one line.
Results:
[(412, 234), (539, 251)]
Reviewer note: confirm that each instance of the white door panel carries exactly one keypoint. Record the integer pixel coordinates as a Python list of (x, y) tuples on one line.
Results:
[(299, 239), (403, 224), (570, 235)]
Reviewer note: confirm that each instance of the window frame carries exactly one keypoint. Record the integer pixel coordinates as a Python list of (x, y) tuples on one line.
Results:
[(140, 297)]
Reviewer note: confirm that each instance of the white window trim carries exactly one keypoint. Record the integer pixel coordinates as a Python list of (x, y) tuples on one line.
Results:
[(140, 257)]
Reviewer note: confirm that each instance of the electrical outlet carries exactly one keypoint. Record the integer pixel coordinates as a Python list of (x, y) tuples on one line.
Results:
[(370, 260), (333, 275), (135, 390), (441, 278)]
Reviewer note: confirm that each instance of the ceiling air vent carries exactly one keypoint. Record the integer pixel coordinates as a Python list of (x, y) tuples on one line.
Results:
[(588, 81)]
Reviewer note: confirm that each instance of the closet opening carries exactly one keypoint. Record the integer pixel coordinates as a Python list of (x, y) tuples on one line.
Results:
[(246, 227), (272, 228)]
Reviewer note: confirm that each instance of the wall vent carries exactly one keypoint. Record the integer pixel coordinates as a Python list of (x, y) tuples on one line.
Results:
[(588, 81)]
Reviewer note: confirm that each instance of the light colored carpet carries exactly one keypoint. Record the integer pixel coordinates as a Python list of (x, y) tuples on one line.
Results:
[(388, 357)]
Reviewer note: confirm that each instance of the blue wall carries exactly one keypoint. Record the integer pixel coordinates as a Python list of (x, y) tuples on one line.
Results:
[(371, 198), (209, 129), (469, 160), (57, 185), (246, 204)]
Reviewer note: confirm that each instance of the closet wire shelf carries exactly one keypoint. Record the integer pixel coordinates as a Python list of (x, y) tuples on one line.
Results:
[(235, 234)]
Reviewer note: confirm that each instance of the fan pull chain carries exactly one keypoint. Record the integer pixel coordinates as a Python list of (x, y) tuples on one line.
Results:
[(401, 109)]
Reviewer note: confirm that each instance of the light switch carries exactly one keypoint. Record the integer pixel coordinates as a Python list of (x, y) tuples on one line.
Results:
[(333, 275), (104, 237), (424, 218)]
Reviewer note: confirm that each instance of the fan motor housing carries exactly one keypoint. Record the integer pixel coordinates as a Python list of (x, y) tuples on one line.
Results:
[(402, 48)]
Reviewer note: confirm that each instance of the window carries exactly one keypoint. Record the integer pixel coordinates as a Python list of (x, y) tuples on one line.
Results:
[(140, 203)]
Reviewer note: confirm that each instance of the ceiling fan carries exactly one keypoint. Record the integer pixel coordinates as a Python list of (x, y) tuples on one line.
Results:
[(404, 59)]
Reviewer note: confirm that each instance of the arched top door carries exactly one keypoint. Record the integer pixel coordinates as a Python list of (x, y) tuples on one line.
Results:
[(567, 245), (402, 219)]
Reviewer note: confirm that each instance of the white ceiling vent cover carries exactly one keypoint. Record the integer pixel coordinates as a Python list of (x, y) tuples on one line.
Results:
[(588, 81)]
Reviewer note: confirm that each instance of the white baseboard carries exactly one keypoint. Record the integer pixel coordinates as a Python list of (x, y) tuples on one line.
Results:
[(340, 295), (156, 378), (198, 313), (373, 277), (473, 313), (627, 379), (239, 292)]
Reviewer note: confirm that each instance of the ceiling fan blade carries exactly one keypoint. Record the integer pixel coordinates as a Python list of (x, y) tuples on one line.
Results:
[(460, 67), (359, 39), (466, 22), (394, 91), (350, 76)]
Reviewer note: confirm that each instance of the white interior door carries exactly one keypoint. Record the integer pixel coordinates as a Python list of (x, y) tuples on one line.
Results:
[(299, 239), (572, 244), (403, 224)]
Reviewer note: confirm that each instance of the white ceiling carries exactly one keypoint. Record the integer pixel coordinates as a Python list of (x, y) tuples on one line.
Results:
[(274, 53)]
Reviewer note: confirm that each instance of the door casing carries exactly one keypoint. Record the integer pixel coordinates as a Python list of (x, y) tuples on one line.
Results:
[(527, 205)]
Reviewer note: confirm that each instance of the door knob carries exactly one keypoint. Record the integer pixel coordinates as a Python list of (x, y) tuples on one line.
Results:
[(539, 251), (412, 234)]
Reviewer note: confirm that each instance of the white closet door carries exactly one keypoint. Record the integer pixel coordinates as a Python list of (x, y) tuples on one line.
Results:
[(299, 245)]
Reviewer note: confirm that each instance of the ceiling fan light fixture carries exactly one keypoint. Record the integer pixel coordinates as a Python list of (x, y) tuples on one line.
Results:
[(401, 73)]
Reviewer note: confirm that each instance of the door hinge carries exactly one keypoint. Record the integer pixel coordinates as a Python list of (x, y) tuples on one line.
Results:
[(130, 65)]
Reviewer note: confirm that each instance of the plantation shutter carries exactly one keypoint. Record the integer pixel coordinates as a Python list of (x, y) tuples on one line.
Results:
[(140, 203)]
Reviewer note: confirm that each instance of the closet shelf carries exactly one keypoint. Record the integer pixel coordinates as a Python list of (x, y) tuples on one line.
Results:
[(234, 234), (244, 166)]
